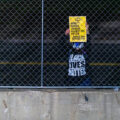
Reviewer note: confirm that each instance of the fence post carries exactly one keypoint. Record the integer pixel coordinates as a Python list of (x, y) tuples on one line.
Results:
[(42, 38)]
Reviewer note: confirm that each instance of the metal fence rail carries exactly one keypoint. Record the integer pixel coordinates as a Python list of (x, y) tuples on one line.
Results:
[(34, 50)]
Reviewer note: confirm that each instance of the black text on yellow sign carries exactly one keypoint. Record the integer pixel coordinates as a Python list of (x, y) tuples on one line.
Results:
[(77, 26)]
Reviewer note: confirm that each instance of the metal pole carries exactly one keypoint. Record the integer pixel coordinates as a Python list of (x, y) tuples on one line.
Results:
[(116, 88), (42, 38)]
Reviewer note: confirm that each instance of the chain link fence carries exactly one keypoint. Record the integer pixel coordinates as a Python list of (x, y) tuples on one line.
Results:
[(35, 52)]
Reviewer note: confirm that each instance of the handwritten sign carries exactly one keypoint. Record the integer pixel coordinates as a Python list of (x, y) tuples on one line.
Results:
[(77, 26)]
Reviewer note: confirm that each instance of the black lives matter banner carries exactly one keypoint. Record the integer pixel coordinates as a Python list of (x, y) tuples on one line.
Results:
[(77, 65)]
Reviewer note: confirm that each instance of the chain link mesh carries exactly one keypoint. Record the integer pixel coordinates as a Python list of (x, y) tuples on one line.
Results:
[(20, 42), (104, 23)]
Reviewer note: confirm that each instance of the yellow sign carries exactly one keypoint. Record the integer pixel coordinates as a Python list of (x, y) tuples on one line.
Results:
[(77, 26)]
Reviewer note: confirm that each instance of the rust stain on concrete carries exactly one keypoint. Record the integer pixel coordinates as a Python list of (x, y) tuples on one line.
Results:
[(5, 104)]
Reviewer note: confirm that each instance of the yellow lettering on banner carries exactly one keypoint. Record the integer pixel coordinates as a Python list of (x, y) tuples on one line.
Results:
[(77, 26)]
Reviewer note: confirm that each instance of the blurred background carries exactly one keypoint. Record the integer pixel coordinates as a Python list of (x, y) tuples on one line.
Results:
[(20, 41)]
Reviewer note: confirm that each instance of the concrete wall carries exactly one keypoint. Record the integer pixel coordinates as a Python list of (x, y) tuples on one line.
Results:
[(59, 105)]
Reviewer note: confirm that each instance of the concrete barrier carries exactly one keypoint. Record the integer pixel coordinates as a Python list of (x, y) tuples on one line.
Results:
[(59, 105)]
